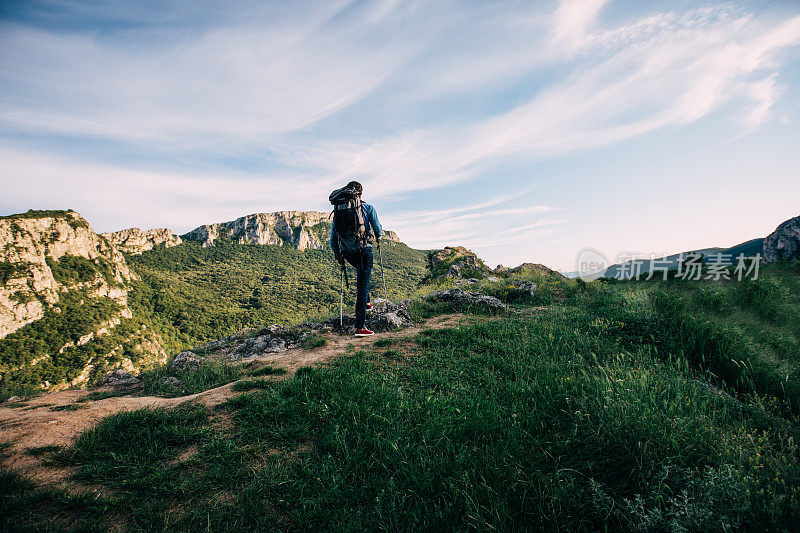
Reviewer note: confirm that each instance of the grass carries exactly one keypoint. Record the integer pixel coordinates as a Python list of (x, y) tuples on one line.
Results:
[(251, 384), (593, 415), (38, 451), (314, 341), (102, 395), (267, 371), (210, 375), (384, 342)]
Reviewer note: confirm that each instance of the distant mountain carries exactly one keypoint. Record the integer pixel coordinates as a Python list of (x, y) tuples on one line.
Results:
[(282, 228), (136, 241), (628, 270), (781, 244)]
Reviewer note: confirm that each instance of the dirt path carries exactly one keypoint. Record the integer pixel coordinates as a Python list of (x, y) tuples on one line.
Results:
[(36, 424)]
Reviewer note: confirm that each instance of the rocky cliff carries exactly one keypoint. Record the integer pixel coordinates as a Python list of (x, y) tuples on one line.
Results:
[(783, 243), (283, 228), (56, 272), (32, 248), (136, 241), (390, 236)]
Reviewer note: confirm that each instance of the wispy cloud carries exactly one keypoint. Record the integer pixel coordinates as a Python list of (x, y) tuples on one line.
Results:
[(407, 96)]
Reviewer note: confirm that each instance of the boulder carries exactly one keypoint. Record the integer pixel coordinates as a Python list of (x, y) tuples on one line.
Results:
[(463, 298), (187, 361), (453, 272), (266, 343), (526, 286), (271, 339), (783, 243), (170, 381), (119, 378)]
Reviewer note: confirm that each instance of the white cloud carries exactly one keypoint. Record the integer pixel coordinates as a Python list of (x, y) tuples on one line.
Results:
[(572, 21), (406, 96)]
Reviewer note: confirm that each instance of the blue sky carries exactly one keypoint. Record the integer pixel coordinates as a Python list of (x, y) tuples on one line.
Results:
[(523, 130)]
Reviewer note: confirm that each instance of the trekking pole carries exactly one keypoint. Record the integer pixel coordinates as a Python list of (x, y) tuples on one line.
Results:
[(341, 301), (383, 276)]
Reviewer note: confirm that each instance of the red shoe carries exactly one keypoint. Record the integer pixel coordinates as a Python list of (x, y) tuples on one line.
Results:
[(369, 305), (364, 332)]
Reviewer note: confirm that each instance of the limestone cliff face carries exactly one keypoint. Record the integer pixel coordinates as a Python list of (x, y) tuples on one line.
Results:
[(30, 243), (51, 261), (390, 236), (283, 228), (136, 241)]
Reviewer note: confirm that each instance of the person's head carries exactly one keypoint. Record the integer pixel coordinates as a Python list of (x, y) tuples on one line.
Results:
[(355, 185)]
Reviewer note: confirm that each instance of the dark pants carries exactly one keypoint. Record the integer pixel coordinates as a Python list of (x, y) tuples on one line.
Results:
[(362, 262)]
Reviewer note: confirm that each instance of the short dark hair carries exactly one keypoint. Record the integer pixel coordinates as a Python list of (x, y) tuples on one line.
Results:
[(355, 185)]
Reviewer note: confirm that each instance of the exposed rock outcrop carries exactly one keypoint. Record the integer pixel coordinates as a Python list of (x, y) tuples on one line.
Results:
[(783, 243), (31, 243), (272, 339), (187, 361), (390, 236), (51, 263), (455, 262), (525, 268), (527, 287), (462, 298), (120, 378), (283, 228), (136, 241)]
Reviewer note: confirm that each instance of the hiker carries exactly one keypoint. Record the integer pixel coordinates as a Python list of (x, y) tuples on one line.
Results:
[(355, 227)]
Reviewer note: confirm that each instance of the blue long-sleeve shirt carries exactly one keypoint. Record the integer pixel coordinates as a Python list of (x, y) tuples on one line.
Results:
[(370, 220)]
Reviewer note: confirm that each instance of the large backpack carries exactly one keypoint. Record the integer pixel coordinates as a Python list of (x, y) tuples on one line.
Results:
[(348, 219)]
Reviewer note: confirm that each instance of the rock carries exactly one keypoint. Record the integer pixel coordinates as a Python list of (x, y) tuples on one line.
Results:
[(29, 241), (389, 236), (170, 381), (453, 272), (534, 267), (282, 228), (14, 399), (119, 378), (385, 316), (187, 361), (493, 279), (136, 241), (453, 262), (783, 243), (526, 286), (463, 298), (267, 343)]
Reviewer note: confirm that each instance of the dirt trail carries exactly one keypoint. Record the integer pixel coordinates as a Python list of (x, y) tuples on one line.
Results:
[(35, 424)]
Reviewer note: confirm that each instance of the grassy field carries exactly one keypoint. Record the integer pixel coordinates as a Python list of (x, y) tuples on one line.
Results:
[(632, 406)]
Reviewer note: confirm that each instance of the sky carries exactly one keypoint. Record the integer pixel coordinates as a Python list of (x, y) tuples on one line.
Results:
[(525, 131)]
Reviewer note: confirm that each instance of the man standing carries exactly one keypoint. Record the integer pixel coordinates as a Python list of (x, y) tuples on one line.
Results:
[(355, 227)]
